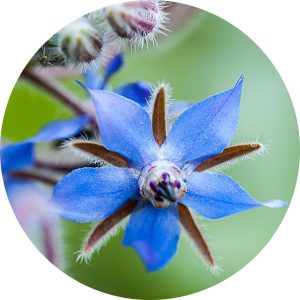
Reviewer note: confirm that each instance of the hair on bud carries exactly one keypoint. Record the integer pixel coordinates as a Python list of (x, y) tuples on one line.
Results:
[(82, 45), (139, 22)]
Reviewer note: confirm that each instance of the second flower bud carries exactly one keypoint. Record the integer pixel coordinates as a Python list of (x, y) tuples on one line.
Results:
[(80, 43)]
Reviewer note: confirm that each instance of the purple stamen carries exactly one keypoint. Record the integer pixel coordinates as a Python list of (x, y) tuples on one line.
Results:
[(166, 177), (153, 186), (177, 184)]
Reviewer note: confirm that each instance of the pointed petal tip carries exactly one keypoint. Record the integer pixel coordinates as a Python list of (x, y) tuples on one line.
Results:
[(153, 234), (207, 136), (83, 86), (114, 65), (155, 268), (240, 80), (214, 203), (275, 203), (149, 261)]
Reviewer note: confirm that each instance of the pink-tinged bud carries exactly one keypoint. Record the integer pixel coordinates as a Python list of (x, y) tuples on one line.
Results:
[(137, 21), (146, 4), (36, 215)]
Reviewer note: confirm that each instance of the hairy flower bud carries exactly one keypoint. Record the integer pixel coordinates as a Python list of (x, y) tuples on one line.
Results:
[(80, 43), (137, 21)]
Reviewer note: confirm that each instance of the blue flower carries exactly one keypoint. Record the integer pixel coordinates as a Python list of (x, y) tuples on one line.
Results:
[(154, 176), (139, 91), (29, 200), (20, 155)]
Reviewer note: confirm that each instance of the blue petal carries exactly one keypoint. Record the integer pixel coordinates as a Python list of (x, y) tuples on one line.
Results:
[(16, 156), (125, 128), (114, 65), (92, 194), (14, 188), (21, 155), (153, 233), (92, 78), (205, 129), (138, 92), (216, 196), (60, 130), (177, 108)]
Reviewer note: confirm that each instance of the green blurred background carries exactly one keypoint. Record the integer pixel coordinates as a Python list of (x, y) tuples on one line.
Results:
[(207, 56)]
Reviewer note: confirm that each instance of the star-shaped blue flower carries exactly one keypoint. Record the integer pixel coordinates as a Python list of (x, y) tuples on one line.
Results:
[(154, 175)]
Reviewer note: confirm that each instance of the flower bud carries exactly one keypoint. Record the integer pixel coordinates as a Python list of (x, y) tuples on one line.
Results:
[(80, 43), (137, 21)]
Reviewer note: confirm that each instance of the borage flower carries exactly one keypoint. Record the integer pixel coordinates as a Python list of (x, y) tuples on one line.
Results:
[(30, 200), (154, 176)]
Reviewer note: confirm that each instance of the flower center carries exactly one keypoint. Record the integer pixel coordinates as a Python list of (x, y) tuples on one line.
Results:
[(161, 183)]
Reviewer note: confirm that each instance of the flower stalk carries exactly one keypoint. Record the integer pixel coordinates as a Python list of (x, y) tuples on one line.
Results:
[(49, 243), (59, 92), (57, 167), (33, 175)]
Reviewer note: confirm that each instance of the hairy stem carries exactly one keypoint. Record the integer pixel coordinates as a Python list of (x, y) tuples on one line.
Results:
[(32, 175), (65, 168), (63, 95), (49, 248)]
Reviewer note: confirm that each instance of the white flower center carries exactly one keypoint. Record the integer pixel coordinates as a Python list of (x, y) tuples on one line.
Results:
[(162, 183)]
